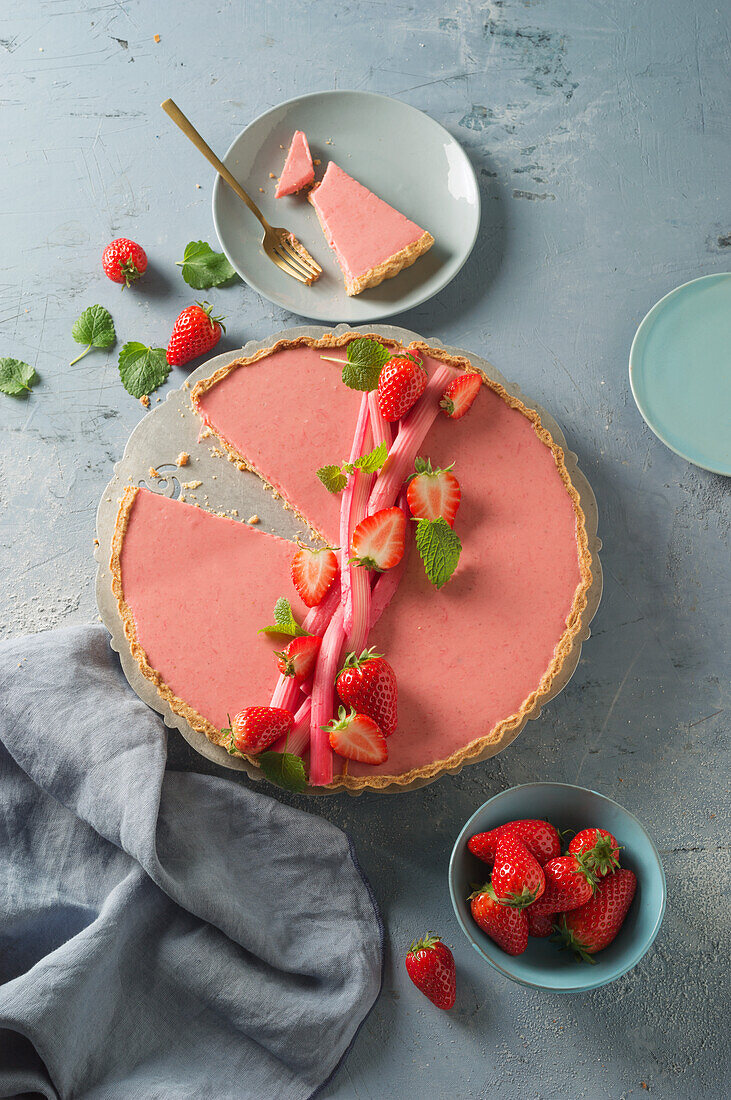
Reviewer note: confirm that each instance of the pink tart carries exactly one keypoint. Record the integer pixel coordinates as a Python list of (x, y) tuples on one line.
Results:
[(298, 169), (472, 659), (371, 240)]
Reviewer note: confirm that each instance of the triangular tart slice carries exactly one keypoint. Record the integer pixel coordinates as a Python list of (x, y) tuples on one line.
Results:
[(298, 168)]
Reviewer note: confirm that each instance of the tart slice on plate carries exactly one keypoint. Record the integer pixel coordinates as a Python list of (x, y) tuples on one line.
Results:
[(298, 168)]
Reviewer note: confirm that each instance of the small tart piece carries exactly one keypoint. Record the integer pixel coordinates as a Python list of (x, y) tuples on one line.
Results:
[(371, 240), (298, 169)]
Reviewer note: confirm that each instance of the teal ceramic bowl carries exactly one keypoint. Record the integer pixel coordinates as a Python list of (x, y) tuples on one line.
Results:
[(544, 965)]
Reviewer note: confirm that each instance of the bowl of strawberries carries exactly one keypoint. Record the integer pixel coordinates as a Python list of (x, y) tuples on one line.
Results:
[(557, 887)]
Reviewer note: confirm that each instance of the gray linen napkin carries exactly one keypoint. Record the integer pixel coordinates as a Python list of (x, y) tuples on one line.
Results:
[(161, 934)]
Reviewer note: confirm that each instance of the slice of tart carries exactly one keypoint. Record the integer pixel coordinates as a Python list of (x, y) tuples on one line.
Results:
[(371, 240), (298, 168)]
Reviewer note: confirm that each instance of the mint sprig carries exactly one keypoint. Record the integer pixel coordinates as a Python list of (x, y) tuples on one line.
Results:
[(95, 328), (16, 377), (363, 363), (142, 369), (284, 621), (335, 478), (204, 268), (284, 769), (439, 547)]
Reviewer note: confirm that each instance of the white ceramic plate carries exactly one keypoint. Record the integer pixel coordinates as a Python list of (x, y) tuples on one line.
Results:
[(400, 153)]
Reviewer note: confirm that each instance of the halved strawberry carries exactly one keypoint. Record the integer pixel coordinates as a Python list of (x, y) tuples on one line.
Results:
[(378, 540), (433, 493), (357, 737), (298, 659), (313, 571), (460, 393)]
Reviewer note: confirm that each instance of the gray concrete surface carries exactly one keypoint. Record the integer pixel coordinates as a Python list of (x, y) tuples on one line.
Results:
[(600, 135)]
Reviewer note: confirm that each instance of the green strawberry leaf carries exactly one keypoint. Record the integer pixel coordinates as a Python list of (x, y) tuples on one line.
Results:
[(365, 358), (440, 549), (333, 478), (95, 328), (204, 268), (285, 769), (373, 460), (16, 377), (284, 621), (142, 369)]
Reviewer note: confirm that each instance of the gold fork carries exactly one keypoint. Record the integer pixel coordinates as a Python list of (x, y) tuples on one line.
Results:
[(281, 246)]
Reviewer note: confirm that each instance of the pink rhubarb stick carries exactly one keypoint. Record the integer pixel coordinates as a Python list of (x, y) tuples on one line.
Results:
[(380, 427), (355, 487), (323, 696), (385, 587), (299, 738), (286, 693)]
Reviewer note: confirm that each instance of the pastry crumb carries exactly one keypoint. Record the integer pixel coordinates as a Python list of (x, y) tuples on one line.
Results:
[(182, 497), (145, 401), (253, 519), (152, 472), (156, 37), (234, 511), (192, 484), (317, 161), (197, 187), (183, 459), (96, 542), (262, 190)]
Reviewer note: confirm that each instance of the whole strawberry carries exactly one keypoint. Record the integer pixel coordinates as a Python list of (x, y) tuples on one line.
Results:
[(539, 926), (124, 261), (569, 885), (194, 333), (256, 728), (539, 837), (299, 658), (430, 965), (400, 385), (507, 926), (594, 926), (517, 878), (599, 849), (368, 683)]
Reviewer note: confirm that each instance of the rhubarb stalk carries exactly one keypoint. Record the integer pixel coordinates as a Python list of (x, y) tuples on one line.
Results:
[(323, 695), (286, 693), (357, 487), (385, 587), (297, 741), (380, 427)]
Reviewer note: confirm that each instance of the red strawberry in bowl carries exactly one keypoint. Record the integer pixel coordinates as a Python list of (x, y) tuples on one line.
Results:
[(313, 572), (517, 877), (539, 837), (569, 885), (595, 925), (299, 658), (368, 683), (357, 737), (459, 395), (256, 728), (507, 926), (433, 493), (599, 849), (379, 540), (194, 333), (430, 965), (400, 385), (124, 261), (539, 926)]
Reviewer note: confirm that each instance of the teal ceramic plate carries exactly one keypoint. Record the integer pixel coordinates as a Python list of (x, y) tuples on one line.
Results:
[(400, 153), (544, 965), (680, 371)]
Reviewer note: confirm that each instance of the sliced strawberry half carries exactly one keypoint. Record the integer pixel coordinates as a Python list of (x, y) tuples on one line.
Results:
[(433, 493), (378, 540), (460, 393), (313, 571), (357, 737), (298, 659)]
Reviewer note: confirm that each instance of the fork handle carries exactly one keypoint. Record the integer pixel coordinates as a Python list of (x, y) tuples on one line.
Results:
[(170, 108)]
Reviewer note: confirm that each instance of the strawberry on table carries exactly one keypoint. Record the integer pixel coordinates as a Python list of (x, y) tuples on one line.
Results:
[(569, 885), (400, 385), (378, 541), (368, 683), (539, 926), (194, 333), (430, 965), (298, 659), (460, 393), (539, 837), (507, 926), (313, 572), (255, 728), (124, 261), (599, 849), (357, 737), (517, 878), (594, 926), (433, 493)]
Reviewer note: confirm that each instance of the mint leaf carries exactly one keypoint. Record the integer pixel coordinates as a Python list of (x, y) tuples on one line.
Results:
[(285, 769), (16, 377), (284, 621), (333, 478), (373, 460), (439, 547), (142, 369), (365, 358), (95, 328), (204, 268)]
